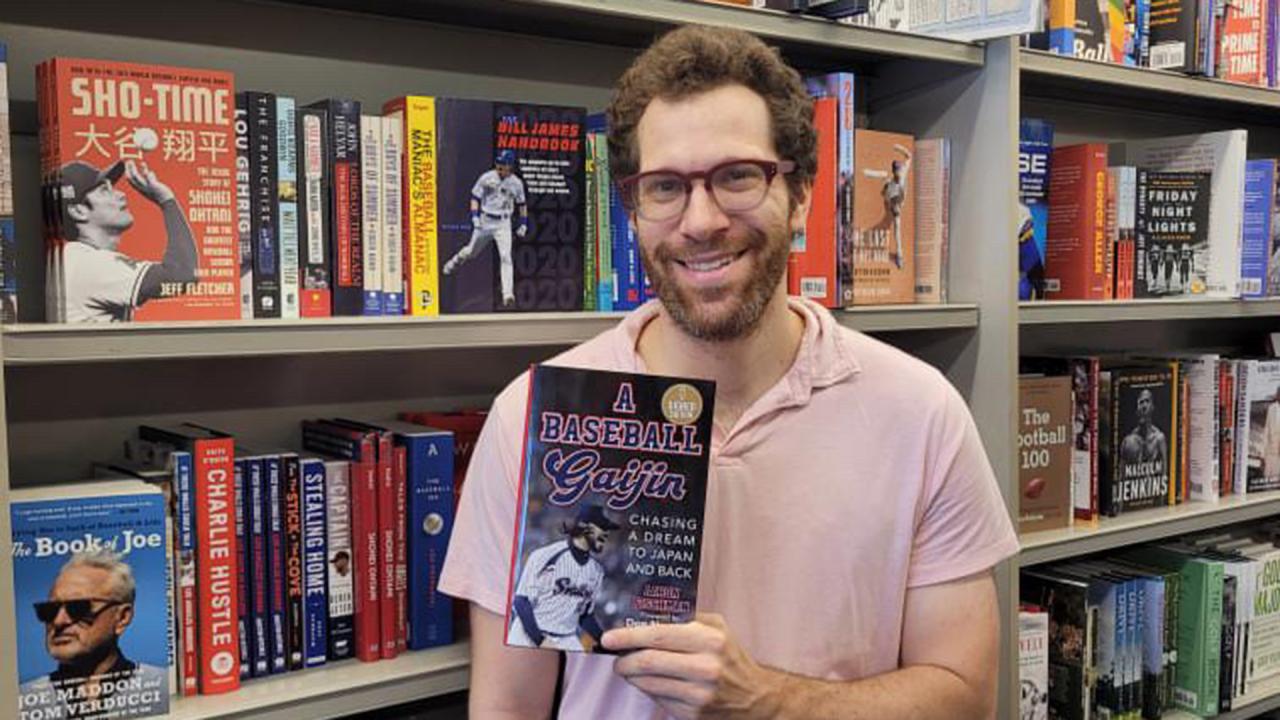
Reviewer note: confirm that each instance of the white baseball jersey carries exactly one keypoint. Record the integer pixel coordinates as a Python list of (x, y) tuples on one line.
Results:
[(100, 285), (560, 588), (498, 195)]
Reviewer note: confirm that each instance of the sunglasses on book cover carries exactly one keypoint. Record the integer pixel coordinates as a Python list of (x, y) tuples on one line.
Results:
[(80, 610)]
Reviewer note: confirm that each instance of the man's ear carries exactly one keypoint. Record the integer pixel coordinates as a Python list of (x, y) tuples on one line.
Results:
[(78, 212), (800, 206), (125, 617)]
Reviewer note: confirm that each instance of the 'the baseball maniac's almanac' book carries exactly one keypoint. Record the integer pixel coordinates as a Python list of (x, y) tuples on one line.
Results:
[(139, 168), (87, 557), (612, 493)]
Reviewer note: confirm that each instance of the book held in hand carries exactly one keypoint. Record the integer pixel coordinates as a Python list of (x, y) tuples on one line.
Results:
[(611, 501)]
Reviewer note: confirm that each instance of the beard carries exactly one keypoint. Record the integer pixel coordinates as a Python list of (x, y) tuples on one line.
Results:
[(686, 307)]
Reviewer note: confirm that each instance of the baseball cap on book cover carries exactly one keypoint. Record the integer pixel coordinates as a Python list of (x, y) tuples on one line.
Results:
[(76, 179), (594, 514)]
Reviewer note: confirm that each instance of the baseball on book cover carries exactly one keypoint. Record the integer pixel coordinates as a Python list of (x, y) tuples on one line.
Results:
[(91, 601), (511, 198), (140, 164), (612, 494)]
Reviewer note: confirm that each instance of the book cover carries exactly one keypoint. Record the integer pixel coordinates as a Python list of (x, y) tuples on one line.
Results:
[(344, 218), (315, 296), (91, 600), (883, 218), (1242, 45), (155, 145), (1035, 151), (341, 624), (1173, 35), (1071, 639), (416, 116), (1259, 417), (8, 240), (1044, 453), (813, 251), (841, 86), (1033, 665), (612, 491), (510, 205), (1259, 204), (264, 174), (465, 426), (1223, 155), (315, 608), (1172, 233), (1092, 31), (1141, 408), (933, 219), (1077, 255)]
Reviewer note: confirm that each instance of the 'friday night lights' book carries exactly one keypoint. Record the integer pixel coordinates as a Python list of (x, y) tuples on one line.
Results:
[(612, 494)]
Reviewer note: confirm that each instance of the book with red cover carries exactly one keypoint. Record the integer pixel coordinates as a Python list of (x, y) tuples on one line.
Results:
[(1242, 45), (1078, 257), (138, 164), (361, 448), (217, 554), (814, 250)]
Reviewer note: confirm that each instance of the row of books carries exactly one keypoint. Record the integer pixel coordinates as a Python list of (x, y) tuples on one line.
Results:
[(1234, 41), (1187, 216), (263, 561), (1191, 624), (1105, 436)]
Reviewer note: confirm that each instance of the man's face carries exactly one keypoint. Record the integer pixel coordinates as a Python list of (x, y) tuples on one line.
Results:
[(1145, 406), (342, 565), (595, 537), (69, 641), (106, 207), (714, 272), (504, 171)]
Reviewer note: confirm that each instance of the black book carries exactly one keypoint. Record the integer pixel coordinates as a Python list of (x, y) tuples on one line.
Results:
[(344, 219), (1172, 233), (264, 203), (1142, 444), (314, 202)]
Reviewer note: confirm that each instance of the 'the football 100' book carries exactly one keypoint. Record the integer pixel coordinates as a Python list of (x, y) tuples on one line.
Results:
[(91, 601), (611, 501)]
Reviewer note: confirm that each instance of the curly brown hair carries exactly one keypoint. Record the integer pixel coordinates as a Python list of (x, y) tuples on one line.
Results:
[(694, 59)]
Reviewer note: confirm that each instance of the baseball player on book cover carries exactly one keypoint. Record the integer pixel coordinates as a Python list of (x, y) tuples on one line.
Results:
[(496, 195), (554, 601), (99, 283)]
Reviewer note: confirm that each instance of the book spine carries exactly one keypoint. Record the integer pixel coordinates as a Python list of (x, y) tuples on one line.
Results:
[(316, 298), (421, 211), (364, 541), (608, 276), (185, 564), (216, 565), (315, 609), (244, 598), (287, 184), (276, 565), (371, 211), (348, 292), (387, 610), (341, 625), (1244, 369), (392, 215), (590, 246), (244, 206), (260, 578), (263, 174), (292, 487), (815, 248), (400, 497), (1077, 254), (930, 227), (431, 513), (1259, 186)]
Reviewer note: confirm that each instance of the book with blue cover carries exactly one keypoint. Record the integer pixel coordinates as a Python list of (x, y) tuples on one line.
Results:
[(1035, 148), (92, 605)]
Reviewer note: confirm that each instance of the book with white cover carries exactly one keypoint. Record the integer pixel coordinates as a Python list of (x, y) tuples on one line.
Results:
[(1223, 154)]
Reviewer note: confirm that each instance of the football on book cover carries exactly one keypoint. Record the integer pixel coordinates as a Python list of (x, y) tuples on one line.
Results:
[(1044, 452), (140, 162), (1142, 436), (611, 502), (510, 193), (91, 600), (1172, 233), (883, 219)]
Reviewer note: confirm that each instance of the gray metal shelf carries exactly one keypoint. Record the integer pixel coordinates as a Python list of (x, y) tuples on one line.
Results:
[(39, 344), (1049, 75), (1067, 312), (1244, 712), (634, 23), (1144, 526), (337, 690)]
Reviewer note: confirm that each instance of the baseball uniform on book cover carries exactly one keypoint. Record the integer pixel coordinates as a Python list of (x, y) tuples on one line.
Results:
[(611, 501)]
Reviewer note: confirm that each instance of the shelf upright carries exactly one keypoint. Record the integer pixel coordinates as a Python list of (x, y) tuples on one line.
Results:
[(8, 610)]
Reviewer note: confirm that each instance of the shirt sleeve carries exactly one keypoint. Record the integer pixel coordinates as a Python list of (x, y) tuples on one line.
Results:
[(477, 190), (964, 527), (519, 191), (477, 566)]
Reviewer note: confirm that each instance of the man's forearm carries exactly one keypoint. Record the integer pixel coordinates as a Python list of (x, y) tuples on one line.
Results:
[(922, 692)]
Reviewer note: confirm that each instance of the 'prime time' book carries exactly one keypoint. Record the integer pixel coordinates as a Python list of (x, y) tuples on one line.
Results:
[(610, 505)]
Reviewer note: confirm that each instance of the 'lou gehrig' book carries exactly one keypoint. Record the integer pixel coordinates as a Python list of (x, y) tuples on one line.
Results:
[(611, 501), (90, 600)]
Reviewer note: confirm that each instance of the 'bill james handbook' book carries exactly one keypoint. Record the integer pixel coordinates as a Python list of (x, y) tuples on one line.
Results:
[(612, 492)]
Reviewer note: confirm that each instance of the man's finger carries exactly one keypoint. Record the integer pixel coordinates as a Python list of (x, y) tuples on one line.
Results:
[(667, 690), (663, 663), (683, 637)]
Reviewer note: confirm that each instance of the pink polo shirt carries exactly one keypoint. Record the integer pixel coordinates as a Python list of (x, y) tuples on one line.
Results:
[(859, 475)]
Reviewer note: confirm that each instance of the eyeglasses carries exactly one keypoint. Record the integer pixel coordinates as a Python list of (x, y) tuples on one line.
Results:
[(736, 186), (80, 610)]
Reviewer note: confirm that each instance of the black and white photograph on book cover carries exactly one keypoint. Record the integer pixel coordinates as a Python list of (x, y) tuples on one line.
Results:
[(1262, 403)]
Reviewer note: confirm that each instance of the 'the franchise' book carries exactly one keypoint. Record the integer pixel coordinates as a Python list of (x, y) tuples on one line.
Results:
[(611, 501)]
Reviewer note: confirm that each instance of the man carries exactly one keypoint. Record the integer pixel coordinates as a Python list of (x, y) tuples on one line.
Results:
[(1145, 443), (556, 591), (89, 608), (495, 195), (98, 283), (852, 516)]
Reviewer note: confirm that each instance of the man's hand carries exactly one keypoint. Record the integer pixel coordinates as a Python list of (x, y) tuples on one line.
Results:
[(522, 229), (146, 183), (695, 670)]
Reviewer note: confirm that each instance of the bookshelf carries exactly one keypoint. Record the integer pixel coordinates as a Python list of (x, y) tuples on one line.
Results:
[(1076, 312)]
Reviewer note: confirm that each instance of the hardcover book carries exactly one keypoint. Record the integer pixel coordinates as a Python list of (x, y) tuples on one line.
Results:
[(610, 505), (883, 219), (812, 264), (1035, 149), (90, 595), (1044, 453), (1078, 259), (1143, 448), (1033, 664), (1259, 420), (8, 241), (139, 165)]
